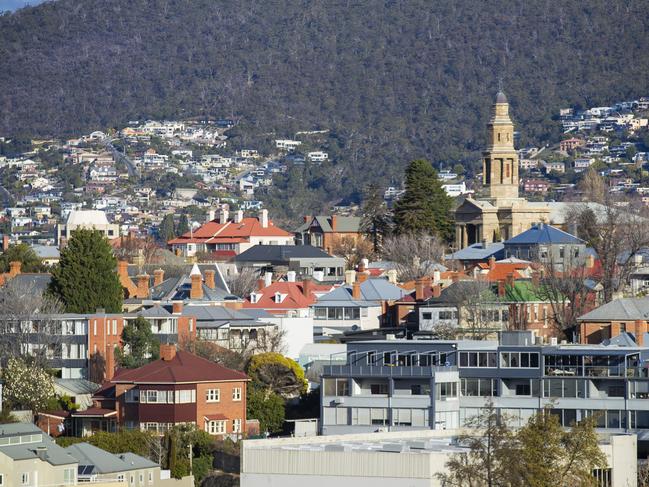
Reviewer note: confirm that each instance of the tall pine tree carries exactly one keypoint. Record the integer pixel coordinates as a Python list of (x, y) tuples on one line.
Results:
[(86, 277), (375, 216), (424, 208), (166, 231)]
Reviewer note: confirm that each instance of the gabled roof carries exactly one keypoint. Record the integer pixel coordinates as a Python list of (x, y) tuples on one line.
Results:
[(543, 234), (479, 251), (242, 231), (292, 293), (620, 310), (344, 224), (281, 253), (105, 462), (449, 294), (184, 367), (372, 291), (55, 455)]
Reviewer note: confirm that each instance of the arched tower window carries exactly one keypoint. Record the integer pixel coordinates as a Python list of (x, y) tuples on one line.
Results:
[(498, 136)]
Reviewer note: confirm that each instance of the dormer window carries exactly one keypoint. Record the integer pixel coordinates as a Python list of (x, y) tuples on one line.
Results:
[(279, 297), (254, 298)]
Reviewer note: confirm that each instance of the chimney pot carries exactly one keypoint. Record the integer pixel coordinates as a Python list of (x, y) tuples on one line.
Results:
[(350, 276), (167, 352), (261, 284), (307, 287), (14, 268), (143, 286), (356, 290), (290, 276), (238, 216), (158, 277), (196, 291), (210, 280), (419, 289)]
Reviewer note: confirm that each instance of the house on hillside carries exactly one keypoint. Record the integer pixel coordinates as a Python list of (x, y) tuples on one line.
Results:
[(226, 237), (325, 231)]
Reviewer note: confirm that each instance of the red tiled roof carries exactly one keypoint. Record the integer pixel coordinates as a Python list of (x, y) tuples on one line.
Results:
[(215, 417), (294, 296), (184, 367), (502, 270), (248, 227)]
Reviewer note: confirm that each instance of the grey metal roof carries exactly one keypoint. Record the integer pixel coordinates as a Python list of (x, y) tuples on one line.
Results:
[(620, 309), (343, 224), (36, 282), (155, 311), (77, 386), (281, 253), (372, 291), (46, 251), (54, 454), (478, 251), (105, 462)]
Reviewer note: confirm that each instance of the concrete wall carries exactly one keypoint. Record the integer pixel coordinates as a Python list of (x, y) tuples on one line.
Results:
[(298, 332)]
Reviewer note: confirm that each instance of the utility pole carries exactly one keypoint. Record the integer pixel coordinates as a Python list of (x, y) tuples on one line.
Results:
[(191, 454)]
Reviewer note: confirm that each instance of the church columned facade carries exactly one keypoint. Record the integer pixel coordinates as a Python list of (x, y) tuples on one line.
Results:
[(503, 213)]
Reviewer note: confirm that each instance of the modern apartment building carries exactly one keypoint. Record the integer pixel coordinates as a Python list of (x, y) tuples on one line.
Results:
[(414, 384)]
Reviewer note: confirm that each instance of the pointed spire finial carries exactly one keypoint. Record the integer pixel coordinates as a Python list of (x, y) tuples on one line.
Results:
[(500, 83)]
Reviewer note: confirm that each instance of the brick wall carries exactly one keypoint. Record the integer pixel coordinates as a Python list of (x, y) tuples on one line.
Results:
[(226, 406)]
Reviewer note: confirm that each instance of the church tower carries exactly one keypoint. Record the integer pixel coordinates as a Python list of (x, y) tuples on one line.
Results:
[(500, 160)]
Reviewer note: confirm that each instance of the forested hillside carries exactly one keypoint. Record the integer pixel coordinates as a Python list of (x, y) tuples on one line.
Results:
[(392, 80)]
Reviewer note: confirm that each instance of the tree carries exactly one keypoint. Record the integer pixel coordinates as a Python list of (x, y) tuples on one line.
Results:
[(488, 460), (273, 372), (140, 345), (176, 451), (424, 208), (458, 169), (375, 216), (414, 256), (183, 225), (243, 282), (166, 231), (592, 186), (617, 231), (266, 407), (23, 253), (547, 455), (476, 305), (27, 385), (26, 327), (143, 443), (85, 279), (137, 250), (352, 250)]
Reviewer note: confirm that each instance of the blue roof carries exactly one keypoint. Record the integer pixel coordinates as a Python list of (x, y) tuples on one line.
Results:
[(543, 234), (479, 251), (372, 292)]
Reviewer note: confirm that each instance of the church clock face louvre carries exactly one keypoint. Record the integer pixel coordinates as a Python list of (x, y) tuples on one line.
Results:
[(503, 213)]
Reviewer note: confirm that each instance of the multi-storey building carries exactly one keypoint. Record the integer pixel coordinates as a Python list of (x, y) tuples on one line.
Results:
[(179, 388), (410, 384)]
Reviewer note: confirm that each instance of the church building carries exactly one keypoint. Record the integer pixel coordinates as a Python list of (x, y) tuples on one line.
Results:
[(503, 213)]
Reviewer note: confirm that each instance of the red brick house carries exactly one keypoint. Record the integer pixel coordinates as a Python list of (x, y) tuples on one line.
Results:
[(179, 388)]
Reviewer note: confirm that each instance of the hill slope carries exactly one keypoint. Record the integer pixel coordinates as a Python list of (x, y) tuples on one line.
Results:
[(393, 80)]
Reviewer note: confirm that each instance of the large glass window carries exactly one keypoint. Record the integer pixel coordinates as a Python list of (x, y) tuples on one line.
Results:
[(478, 387), (446, 389), (336, 387), (529, 360), (478, 359)]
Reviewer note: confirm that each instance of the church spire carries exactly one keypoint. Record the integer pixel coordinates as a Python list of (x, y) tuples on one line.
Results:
[(500, 160)]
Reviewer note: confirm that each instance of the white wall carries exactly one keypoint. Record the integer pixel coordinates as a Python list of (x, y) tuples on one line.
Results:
[(298, 332)]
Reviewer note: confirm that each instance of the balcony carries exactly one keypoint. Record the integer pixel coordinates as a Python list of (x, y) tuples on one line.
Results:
[(383, 371)]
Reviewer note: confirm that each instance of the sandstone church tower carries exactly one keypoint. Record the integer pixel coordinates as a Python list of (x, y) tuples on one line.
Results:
[(500, 160)]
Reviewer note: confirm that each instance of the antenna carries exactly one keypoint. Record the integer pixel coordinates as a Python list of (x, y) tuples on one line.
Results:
[(500, 83)]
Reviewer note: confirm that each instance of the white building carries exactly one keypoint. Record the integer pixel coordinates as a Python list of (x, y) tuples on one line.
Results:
[(454, 190), (94, 219), (287, 144), (318, 156), (397, 458)]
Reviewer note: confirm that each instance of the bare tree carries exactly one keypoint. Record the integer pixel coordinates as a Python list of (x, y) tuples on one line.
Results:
[(569, 293), (414, 256), (27, 325), (243, 282), (137, 250), (617, 230), (478, 308), (352, 250)]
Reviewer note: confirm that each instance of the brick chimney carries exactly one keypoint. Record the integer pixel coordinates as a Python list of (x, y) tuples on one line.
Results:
[(109, 369), (492, 263), (419, 289), (122, 268), (362, 276), (334, 225), (307, 287), (14, 268), (356, 290), (158, 277), (5, 243), (210, 278), (143, 286), (196, 291), (437, 291), (261, 284), (307, 218), (177, 307), (238, 216), (501, 288), (455, 277), (536, 278), (167, 351)]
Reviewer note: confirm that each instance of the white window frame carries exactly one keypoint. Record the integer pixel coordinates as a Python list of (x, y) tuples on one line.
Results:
[(236, 425), (236, 393), (24, 478), (150, 477), (213, 395)]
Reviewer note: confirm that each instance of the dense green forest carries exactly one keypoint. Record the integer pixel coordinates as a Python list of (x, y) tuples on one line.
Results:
[(393, 81)]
